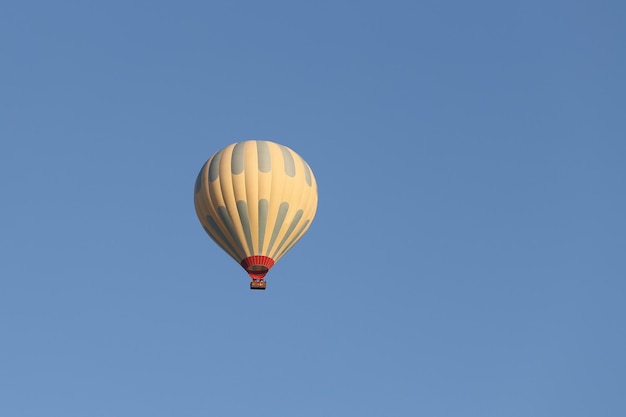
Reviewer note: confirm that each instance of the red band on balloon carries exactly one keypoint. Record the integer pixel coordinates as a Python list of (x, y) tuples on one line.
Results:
[(257, 265)]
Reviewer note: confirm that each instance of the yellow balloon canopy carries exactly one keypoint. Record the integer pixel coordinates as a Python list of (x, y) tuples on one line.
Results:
[(256, 199)]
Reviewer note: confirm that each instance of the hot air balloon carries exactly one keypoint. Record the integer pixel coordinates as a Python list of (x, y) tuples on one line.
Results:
[(256, 199)]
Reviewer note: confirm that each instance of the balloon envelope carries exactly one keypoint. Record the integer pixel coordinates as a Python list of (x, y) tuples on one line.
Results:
[(256, 199)]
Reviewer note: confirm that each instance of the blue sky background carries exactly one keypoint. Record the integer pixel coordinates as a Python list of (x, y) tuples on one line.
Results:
[(467, 258)]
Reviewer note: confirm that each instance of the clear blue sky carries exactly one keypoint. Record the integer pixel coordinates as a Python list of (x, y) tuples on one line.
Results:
[(468, 257)]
